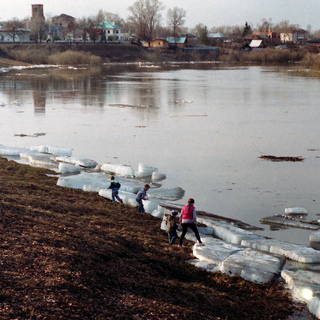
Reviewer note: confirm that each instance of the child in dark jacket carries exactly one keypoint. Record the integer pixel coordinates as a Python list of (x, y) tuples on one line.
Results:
[(114, 186), (172, 226)]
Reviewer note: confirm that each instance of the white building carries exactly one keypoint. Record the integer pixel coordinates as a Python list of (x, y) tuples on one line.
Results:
[(112, 32)]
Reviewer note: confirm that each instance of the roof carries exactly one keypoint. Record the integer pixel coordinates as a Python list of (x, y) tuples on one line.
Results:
[(164, 40), (255, 43), (64, 16), (256, 37), (281, 47), (177, 39), (127, 35), (108, 25), (217, 35), (17, 30), (299, 31)]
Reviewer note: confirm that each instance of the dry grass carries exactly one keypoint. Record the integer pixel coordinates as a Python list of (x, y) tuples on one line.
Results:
[(40, 53), (265, 56), (311, 61), (9, 62), (74, 58), (32, 55)]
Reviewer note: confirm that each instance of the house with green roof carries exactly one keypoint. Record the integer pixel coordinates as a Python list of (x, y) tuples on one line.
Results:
[(178, 41), (111, 31)]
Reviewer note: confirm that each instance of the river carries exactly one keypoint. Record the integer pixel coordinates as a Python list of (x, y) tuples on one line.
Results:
[(203, 125)]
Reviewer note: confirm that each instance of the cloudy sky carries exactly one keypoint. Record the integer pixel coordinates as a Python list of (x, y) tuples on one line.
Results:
[(212, 13)]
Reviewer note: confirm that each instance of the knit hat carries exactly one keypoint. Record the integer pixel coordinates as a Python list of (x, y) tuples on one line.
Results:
[(174, 212)]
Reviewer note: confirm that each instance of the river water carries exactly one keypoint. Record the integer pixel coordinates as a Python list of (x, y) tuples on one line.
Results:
[(203, 125)]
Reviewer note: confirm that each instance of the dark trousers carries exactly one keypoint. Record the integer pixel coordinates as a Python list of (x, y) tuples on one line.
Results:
[(185, 227), (172, 237), (140, 206)]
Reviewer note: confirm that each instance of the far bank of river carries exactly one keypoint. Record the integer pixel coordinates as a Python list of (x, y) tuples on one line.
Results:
[(13, 54), (39, 53)]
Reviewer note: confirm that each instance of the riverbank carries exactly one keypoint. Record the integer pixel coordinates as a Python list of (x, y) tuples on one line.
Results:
[(69, 254), (12, 54), (40, 53)]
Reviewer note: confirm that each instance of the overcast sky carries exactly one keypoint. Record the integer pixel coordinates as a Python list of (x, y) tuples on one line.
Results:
[(212, 13)]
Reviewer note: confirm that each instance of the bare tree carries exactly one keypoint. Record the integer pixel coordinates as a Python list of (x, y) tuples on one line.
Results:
[(83, 25), (38, 29), (13, 27), (93, 28), (146, 16), (111, 17), (265, 25), (285, 26), (175, 18)]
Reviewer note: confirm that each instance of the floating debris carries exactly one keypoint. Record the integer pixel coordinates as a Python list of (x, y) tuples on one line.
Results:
[(278, 159), (148, 66), (35, 135), (184, 101), (296, 210), (129, 106)]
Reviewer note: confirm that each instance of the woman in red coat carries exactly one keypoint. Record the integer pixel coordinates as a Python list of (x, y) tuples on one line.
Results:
[(188, 219)]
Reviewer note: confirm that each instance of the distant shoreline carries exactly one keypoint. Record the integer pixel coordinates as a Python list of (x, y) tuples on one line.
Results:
[(33, 54)]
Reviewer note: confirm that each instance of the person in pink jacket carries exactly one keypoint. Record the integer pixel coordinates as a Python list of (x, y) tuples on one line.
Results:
[(188, 219)]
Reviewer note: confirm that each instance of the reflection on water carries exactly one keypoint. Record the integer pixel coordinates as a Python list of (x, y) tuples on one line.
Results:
[(204, 126)]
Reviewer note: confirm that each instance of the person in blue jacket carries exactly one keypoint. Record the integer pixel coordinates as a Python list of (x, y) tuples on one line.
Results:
[(142, 195), (114, 186)]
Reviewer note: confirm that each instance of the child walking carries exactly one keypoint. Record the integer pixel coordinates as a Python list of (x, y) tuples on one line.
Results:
[(172, 227), (115, 186), (142, 195)]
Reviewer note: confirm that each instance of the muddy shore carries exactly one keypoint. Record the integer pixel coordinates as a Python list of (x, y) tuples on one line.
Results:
[(70, 254)]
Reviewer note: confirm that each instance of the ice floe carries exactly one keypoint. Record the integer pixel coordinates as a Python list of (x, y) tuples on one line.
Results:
[(40, 160), (82, 162), (167, 193), (305, 286), (156, 176), (250, 264), (315, 237), (118, 169), (68, 168), (289, 221), (143, 171), (52, 149), (87, 180), (12, 151), (295, 210)]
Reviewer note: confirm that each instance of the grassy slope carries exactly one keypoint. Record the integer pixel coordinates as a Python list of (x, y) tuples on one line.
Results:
[(68, 254), (39, 53)]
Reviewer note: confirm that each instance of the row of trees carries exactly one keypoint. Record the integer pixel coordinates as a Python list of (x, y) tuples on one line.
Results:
[(145, 21)]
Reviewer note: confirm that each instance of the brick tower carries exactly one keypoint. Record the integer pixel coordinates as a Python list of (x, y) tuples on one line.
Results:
[(37, 11)]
